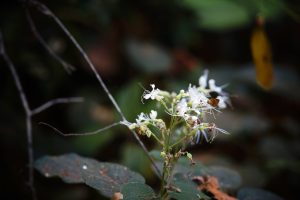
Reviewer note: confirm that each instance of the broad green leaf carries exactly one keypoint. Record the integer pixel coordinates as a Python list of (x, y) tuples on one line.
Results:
[(219, 14), (268, 9), (72, 168), (229, 14), (256, 194), (186, 190), (68, 167), (137, 191)]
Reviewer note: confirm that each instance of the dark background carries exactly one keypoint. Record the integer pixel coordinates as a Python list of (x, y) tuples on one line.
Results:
[(168, 43)]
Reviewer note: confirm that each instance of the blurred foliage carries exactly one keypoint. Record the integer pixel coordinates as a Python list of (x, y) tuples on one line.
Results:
[(221, 15), (168, 43), (135, 159)]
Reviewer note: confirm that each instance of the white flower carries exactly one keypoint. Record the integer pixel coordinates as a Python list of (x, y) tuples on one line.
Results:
[(154, 94), (153, 114), (203, 79), (141, 118), (182, 107), (197, 98), (144, 117), (213, 87), (129, 124), (222, 101)]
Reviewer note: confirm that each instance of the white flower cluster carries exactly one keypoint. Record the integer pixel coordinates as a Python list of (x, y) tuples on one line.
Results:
[(194, 104), (143, 121), (190, 106)]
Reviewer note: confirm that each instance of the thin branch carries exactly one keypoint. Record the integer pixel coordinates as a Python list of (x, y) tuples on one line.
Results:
[(54, 102), (81, 134), (46, 11), (30, 155), (68, 67), (30, 113), (15, 76), (28, 116)]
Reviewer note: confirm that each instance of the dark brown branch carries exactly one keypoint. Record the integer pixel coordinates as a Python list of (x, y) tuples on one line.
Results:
[(46, 11), (68, 67), (80, 134)]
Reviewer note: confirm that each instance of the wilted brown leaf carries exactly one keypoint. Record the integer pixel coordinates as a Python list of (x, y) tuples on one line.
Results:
[(211, 184), (117, 196), (262, 56)]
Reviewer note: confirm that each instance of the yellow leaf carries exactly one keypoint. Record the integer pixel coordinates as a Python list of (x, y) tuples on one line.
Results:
[(262, 57)]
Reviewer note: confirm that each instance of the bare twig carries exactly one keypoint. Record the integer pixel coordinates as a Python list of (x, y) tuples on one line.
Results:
[(56, 101), (15, 76), (46, 11), (80, 134), (27, 112), (30, 113), (68, 67)]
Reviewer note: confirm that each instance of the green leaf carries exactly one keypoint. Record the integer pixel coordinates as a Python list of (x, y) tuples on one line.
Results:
[(256, 194), (219, 14), (72, 168), (186, 190), (268, 9), (137, 191)]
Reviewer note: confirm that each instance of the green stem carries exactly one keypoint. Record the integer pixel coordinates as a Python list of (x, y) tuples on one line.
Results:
[(156, 138), (168, 160), (163, 191), (182, 139)]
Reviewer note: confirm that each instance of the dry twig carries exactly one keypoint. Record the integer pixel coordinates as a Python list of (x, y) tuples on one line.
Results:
[(46, 11), (30, 112)]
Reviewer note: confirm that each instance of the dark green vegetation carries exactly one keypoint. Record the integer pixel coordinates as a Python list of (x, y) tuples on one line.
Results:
[(162, 42)]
